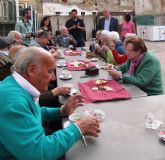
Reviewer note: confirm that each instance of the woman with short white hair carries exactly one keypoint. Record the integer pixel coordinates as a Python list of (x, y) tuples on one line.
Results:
[(108, 49)]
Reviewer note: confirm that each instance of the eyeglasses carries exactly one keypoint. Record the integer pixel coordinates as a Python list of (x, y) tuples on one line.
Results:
[(128, 51)]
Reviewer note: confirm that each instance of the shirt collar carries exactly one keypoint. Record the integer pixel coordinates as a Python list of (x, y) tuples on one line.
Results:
[(27, 86), (4, 52)]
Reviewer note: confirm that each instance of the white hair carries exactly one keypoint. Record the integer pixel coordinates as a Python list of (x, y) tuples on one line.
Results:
[(114, 36), (63, 27), (15, 52), (31, 55), (12, 34), (104, 33)]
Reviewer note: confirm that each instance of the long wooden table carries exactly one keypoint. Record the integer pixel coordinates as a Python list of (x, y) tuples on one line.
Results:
[(124, 135)]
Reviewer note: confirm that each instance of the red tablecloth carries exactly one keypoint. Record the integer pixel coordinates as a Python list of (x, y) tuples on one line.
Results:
[(79, 65), (118, 92)]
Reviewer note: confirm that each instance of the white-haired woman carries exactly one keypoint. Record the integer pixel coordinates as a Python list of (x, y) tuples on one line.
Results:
[(108, 50), (119, 46)]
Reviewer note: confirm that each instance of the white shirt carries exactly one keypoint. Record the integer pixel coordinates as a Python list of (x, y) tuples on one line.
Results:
[(6, 53), (107, 23), (27, 86)]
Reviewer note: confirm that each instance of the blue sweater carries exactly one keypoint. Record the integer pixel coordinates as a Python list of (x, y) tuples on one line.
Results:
[(22, 135)]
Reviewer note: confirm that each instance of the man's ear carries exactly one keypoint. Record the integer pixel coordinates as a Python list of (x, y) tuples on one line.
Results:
[(31, 71)]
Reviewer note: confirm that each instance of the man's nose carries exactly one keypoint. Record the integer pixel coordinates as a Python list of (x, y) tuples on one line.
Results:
[(53, 77)]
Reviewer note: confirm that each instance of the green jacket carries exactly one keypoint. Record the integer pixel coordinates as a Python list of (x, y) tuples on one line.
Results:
[(24, 28), (110, 58), (147, 74), (22, 135)]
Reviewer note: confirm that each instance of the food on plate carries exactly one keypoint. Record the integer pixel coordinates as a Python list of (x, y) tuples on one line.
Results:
[(90, 55), (102, 88), (101, 82), (74, 52), (84, 65), (107, 88), (78, 64), (95, 89), (101, 85)]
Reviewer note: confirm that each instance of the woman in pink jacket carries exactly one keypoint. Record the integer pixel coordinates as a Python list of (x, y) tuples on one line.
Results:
[(127, 26)]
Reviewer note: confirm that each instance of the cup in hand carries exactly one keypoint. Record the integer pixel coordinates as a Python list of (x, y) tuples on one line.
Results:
[(75, 116)]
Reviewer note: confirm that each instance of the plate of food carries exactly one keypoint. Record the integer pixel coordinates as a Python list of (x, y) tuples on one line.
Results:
[(90, 55), (77, 63), (101, 85)]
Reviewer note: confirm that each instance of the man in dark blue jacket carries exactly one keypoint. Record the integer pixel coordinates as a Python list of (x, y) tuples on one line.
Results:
[(108, 22)]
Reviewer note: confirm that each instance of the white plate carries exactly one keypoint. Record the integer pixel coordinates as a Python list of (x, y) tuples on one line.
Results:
[(65, 78), (73, 91), (58, 65), (94, 60)]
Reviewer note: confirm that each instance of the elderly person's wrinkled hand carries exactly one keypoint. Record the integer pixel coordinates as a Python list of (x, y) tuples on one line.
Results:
[(109, 67), (112, 45), (105, 48), (98, 48), (61, 91), (54, 53), (89, 126), (28, 35), (72, 103), (114, 73), (70, 39)]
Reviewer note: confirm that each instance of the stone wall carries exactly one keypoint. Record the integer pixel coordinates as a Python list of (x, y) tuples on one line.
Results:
[(150, 7)]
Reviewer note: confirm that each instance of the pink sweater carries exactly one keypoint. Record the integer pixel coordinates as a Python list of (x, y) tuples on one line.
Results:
[(127, 27)]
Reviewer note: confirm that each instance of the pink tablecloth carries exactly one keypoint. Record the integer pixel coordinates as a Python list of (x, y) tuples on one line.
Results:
[(118, 92), (83, 65)]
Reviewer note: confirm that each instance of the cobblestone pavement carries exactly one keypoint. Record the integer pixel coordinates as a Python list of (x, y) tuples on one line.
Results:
[(159, 49)]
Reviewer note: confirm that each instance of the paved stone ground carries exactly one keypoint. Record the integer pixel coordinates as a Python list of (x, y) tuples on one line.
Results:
[(159, 49)]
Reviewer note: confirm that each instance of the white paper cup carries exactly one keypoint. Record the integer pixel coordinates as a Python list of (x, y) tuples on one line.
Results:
[(70, 85), (75, 116)]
